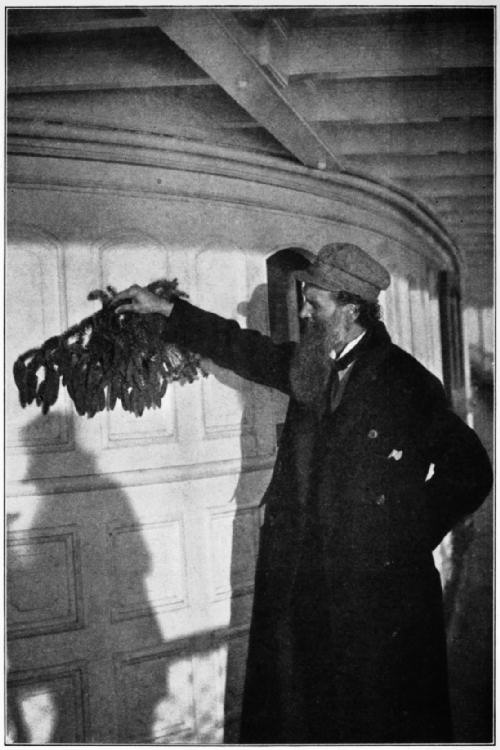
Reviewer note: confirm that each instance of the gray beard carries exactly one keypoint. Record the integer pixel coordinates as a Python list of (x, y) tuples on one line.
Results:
[(311, 364)]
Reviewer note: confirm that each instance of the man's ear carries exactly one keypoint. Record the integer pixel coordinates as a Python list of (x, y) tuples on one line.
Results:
[(354, 312)]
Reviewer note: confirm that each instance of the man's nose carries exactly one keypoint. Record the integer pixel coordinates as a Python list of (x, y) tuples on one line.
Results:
[(306, 311)]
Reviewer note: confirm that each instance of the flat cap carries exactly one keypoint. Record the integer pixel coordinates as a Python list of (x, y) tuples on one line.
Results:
[(341, 266)]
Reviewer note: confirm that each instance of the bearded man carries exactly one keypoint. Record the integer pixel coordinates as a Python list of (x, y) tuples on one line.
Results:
[(347, 642)]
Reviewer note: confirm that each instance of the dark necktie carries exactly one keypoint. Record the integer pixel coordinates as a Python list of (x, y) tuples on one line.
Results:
[(336, 366)]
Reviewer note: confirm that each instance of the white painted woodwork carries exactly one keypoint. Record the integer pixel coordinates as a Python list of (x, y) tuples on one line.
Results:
[(39, 692), (75, 18), (138, 59), (132, 542), (158, 110), (481, 332), (475, 217), (199, 33), (272, 50), (384, 46), (397, 100), (44, 581), (450, 186), (375, 89), (463, 205), (34, 274), (69, 24), (411, 138), (396, 166), (370, 49)]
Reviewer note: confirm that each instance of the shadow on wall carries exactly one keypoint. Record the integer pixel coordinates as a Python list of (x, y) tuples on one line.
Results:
[(245, 542), (90, 683), (58, 683), (41, 703), (45, 703)]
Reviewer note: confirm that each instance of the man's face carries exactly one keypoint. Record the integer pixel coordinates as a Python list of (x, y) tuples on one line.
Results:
[(329, 326), (336, 321)]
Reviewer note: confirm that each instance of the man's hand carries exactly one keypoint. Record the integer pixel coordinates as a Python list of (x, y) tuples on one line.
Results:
[(140, 300)]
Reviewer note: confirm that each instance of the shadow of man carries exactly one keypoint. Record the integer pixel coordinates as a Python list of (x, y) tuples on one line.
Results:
[(74, 599), (257, 442)]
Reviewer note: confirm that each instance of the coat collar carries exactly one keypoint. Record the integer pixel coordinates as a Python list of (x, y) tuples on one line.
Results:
[(377, 335), (373, 347), (373, 350)]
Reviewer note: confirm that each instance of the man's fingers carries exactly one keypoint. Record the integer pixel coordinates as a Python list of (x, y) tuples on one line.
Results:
[(131, 292), (130, 307), (137, 299)]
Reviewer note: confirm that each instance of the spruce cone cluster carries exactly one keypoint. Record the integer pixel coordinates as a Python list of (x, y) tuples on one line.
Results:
[(106, 358)]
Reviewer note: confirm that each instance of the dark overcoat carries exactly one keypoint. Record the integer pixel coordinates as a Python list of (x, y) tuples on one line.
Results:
[(347, 639)]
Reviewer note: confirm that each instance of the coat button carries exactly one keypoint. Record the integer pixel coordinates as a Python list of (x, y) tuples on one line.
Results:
[(373, 434), (380, 500)]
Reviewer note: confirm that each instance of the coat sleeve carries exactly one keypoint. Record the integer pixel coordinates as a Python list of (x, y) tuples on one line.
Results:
[(247, 353), (462, 470)]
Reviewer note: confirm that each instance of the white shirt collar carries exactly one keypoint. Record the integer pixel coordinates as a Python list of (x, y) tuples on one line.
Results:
[(347, 347)]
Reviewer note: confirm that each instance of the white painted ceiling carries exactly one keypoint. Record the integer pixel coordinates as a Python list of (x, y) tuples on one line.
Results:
[(405, 95)]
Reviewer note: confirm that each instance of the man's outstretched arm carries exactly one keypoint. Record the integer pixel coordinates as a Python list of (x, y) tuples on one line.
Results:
[(247, 353)]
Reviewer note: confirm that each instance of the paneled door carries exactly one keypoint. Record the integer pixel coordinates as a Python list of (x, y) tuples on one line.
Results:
[(131, 542)]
